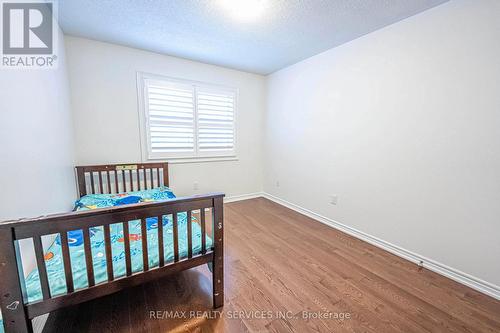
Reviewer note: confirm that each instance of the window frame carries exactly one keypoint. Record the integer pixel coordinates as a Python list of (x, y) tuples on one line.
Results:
[(196, 156)]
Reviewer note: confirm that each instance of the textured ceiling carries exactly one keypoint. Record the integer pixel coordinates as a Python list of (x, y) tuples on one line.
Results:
[(201, 30)]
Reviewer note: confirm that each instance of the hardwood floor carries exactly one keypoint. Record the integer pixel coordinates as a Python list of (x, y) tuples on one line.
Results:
[(279, 264)]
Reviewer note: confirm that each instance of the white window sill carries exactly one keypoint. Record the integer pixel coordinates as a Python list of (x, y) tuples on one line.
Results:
[(195, 159)]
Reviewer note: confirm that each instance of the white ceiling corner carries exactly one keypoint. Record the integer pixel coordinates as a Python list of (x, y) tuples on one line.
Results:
[(287, 32)]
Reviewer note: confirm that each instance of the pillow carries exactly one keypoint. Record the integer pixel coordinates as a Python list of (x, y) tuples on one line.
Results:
[(128, 200), (93, 201), (156, 194)]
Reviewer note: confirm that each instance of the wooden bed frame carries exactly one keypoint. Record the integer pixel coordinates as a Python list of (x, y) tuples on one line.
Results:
[(115, 178)]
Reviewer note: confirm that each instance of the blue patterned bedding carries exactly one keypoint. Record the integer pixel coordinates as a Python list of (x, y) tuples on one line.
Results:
[(53, 255)]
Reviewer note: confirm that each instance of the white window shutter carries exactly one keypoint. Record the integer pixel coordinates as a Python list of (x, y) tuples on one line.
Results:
[(170, 118), (215, 121), (186, 119)]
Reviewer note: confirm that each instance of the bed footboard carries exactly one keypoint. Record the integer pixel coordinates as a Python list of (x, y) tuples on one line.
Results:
[(17, 312)]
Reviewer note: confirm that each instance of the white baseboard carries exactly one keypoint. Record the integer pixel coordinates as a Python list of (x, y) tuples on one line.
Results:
[(240, 197), (449, 272)]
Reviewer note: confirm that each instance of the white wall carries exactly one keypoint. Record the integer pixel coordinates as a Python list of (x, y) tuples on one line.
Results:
[(36, 132), (403, 125), (36, 155), (104, 100)]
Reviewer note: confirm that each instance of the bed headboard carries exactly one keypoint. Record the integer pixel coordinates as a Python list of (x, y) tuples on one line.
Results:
[(116, 178)]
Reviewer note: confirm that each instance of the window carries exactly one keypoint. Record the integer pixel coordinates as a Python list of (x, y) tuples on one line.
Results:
[(183, 119)]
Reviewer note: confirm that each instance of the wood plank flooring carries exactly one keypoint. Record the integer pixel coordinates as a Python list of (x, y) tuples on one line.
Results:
[(280, 264)]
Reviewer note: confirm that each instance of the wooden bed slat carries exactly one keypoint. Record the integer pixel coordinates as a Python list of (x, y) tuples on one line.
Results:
[(145, 179), (161, 253), (82, 184), (176, 237), (165, 176), (109, 182), (124, 182), (88, 257), (158, 176), (144, 239), (151, 177), (42, 270), (92, 185), (101, 187), (189, 234), (126, 242), (67, 262), (109, 256), (131, 180), (117, 190), (139, 184), (203, 232)]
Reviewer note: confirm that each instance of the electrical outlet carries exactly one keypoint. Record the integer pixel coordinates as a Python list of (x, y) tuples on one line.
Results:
[(333, 199), (195, 186)]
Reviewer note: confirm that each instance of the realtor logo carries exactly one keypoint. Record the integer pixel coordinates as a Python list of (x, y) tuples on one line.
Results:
[(28, 34)]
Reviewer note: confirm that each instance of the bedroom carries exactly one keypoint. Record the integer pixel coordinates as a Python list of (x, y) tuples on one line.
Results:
[(316, 165)]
